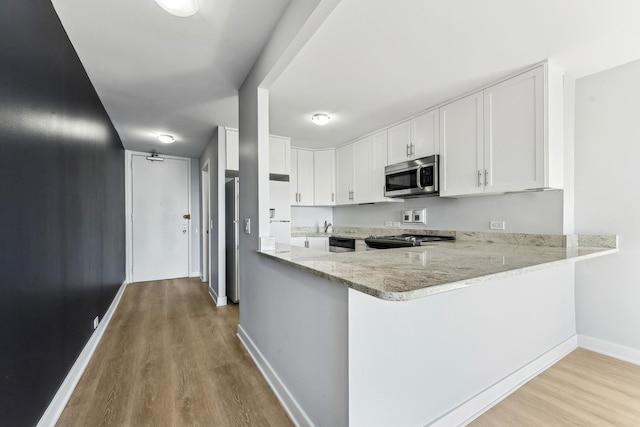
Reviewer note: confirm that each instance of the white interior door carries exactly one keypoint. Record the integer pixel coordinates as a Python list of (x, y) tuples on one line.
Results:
[(160, 234)]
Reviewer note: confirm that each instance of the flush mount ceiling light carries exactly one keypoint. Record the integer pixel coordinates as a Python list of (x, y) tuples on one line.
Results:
[(181, 8), (320, 119), (166, 139)]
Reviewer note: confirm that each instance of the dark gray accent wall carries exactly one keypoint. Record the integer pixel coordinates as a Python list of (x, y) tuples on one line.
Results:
[(62, 232)]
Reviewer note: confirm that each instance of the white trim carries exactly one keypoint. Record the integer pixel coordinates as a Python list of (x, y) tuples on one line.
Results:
[(608, 348), (480, 403), (218, 301), (195, 274), (128, 207), (295, 411), (59, 401), (205, 219)]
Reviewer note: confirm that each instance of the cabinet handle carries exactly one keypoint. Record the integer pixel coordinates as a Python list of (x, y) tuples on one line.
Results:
[(479, 177), (413, 149), (408, 152), (332, 196), (300, 197), (486, 176), (306, 243)]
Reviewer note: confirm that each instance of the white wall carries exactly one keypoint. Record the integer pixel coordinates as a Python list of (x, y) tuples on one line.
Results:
[(196, 209), (607, 185), (310, 216), (214, 153), (523, 213)]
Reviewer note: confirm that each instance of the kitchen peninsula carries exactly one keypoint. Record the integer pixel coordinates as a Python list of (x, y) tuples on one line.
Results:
[(434, 334)]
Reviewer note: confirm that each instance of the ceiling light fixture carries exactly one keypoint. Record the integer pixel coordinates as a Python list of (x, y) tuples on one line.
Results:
[(180, 8), (166, 139), (320, 119)]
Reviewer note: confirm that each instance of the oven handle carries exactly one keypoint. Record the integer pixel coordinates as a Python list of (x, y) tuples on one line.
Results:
[(418, 180)]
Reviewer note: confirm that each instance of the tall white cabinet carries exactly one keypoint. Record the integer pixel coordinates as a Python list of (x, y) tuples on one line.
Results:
[(324, 177), (344, 174), (301, 177)]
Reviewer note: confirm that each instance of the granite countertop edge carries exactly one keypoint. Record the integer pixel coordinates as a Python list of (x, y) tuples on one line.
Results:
[(427, 290)]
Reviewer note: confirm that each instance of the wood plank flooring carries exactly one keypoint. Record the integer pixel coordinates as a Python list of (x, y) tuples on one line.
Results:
[(582, 389), (170, 357)]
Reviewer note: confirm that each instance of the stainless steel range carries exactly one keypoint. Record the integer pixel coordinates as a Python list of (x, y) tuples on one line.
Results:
[(402, 240)]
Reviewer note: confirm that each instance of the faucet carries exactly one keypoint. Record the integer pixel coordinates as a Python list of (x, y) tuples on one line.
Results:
[(326, 226)]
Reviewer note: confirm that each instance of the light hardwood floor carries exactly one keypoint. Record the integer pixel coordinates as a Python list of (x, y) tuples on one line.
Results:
[(583, 389), (170, 357)]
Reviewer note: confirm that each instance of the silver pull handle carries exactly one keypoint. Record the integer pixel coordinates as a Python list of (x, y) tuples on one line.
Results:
[(479, 177), (332, 196), (299, 197), (413, 151), (418, 180), (486, 177), (306, 243), (408, 153)]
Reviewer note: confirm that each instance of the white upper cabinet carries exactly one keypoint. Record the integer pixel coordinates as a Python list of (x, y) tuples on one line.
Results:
[(414, 138), (362, 171), (509, 137), (461, 146), (514, 133), (302, 183), (344, 174), (324, 177), (232, 138), (279, 155)]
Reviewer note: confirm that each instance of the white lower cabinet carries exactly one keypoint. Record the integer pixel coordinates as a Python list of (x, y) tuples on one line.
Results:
[(318, 243), (299, 241)]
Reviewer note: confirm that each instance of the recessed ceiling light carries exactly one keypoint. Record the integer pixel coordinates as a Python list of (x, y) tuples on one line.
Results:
[(320, 119), (181, 8), (166, 139)]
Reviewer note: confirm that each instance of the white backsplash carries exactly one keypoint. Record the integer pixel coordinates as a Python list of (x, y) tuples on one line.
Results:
[(311, 216), (523, 213)]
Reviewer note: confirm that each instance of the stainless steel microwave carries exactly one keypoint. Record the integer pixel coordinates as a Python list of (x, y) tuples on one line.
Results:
[(415, 178)]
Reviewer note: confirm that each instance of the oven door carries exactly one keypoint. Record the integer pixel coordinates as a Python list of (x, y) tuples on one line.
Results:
[(414, 178)]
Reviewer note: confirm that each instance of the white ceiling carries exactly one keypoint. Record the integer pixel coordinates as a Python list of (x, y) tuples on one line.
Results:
[(375, 62), (156, 73)]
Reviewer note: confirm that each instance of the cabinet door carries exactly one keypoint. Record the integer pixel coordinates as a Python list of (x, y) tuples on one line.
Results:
[(232, 148), (298, 241), (378, 162), (514, 133), (293, 177), (324, 177), (363, 171), (319, 243), (425, 135), (344, 174), (461, 147), (305, 178), (279, 155), (399, 143)]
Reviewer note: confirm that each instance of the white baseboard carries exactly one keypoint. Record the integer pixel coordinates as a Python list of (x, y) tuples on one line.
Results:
[(218, 301), (608, 348), (195, 274), (281, 391), (57, 405), (480, 403)]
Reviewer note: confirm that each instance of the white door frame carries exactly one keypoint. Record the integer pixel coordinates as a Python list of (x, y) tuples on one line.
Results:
[(205, 174), (128, 205)]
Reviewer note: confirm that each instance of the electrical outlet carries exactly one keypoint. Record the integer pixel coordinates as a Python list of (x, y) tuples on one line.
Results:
[(497, 225), (388, 223), (96, 321), (396, 224)]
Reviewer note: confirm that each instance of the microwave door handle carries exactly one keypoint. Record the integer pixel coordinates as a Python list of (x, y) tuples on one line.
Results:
[(418, 178)]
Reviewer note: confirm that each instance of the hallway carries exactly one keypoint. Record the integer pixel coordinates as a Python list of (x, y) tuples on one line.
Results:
[(169, 357)]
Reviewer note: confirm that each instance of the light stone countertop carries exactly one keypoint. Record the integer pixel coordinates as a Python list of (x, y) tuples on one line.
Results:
[(408, 273)]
